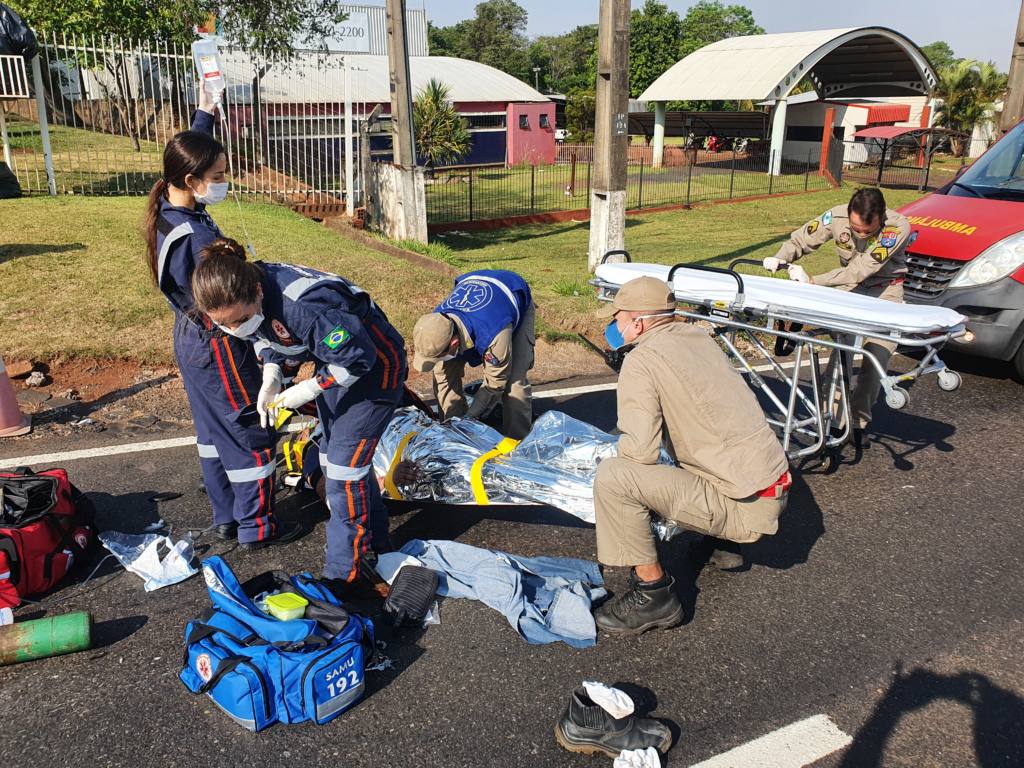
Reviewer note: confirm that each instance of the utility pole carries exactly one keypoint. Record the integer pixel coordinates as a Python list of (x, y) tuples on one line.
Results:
[(405, 212), (1013, 105), (611, 132)]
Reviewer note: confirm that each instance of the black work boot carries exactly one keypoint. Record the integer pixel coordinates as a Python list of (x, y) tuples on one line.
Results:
[(645, 605), (226, 531), (726, 555), (286, 533), (861, 439), (586, 727)]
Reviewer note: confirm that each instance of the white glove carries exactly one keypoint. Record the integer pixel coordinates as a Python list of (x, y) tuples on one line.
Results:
[(772, 263), (297, 396), (798, 273), (272, 385)]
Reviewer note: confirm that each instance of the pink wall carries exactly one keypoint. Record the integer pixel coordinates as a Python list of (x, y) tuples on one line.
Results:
[(533, 144)]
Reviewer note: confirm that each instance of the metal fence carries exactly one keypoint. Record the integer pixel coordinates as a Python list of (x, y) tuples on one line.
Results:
[(471, 194), (910, 163), (112, 104)]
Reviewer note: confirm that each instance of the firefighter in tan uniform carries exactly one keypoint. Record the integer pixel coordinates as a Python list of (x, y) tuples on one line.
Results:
[(872, 242), (678, 391), (489, 319)]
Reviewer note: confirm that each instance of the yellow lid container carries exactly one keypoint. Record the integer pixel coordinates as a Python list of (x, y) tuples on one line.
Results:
[(287, 606)]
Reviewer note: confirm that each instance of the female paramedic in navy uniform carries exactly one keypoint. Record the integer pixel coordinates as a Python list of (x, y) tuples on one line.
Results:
[(299, 314), (220, 372)]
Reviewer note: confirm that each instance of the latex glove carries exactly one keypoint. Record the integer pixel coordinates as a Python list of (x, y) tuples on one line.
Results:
[(297, 396), (772, 263), (798, 273), (206, 100), (273, 382)]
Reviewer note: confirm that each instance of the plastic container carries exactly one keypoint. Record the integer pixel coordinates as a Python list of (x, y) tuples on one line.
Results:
[(286, 606), (45, 637), (209, 66)]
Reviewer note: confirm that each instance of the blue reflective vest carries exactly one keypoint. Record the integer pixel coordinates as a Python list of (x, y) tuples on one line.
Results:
[(486, 301)]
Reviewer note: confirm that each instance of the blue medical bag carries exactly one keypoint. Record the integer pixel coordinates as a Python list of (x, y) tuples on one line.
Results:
[(261, 670)]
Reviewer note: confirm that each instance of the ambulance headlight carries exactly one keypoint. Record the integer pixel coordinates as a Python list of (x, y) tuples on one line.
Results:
[(995, 262)]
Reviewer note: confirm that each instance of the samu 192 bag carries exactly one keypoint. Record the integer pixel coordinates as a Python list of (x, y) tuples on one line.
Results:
[(45, 524), (260, 670)]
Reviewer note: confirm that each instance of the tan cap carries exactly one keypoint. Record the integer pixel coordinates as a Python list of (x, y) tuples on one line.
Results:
[(430, 338), (641, 294)]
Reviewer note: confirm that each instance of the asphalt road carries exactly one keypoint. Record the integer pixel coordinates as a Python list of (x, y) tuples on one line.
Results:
[(891, 601)]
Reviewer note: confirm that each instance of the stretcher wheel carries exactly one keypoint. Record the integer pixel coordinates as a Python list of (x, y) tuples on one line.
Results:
[(949, 381), (897, 398)]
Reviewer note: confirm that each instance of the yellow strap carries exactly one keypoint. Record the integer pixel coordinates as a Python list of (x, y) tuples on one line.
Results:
[(282, 416), (476, 479), (389, 478)]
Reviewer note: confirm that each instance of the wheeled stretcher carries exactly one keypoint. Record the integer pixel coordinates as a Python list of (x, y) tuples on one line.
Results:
[(806, 334)]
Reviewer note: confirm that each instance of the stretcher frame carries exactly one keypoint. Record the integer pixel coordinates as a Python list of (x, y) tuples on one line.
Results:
[(812, 415)]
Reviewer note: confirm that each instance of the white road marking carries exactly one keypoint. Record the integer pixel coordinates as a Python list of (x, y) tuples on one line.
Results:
[(41, 459), (793, 746), (178, 442)]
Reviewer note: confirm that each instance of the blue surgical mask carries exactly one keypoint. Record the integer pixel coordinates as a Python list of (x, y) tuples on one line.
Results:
[(613, 335)]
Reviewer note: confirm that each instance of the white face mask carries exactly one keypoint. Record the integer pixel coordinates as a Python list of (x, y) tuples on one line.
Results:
[(246, 329), (215, 193)]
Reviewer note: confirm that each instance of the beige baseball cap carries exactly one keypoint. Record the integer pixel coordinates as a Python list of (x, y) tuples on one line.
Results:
[(430, 338), (641, 294)]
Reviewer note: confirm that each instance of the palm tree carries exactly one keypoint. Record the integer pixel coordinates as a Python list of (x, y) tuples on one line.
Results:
[(968, 90), (442, 135)]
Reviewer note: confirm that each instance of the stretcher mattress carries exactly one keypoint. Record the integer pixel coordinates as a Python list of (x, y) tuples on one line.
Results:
[(815, 305)]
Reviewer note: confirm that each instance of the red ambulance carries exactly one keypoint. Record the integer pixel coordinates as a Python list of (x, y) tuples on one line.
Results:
[(969, 252)]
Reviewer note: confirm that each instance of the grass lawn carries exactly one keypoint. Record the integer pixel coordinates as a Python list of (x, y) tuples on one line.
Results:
[(553, 257), (73, 282), (493, 193), (85, 161)]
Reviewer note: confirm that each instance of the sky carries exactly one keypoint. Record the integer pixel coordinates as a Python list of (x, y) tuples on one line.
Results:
[(980, 30)]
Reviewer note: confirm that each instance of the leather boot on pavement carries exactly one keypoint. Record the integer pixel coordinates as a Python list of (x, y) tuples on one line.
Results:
[(586, 727), (286, 532), (644, 606)]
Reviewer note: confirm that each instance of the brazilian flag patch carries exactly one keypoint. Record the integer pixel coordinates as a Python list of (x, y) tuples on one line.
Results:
[(336, 338)]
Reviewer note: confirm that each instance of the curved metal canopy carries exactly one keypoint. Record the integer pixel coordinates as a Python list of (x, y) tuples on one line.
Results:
[(862, 61)]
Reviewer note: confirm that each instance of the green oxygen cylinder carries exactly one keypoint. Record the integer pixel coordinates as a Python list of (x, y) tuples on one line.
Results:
[(41, 638)]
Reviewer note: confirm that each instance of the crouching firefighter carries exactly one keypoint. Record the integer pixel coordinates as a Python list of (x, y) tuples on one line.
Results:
[(220, 373), (730, 477), (296, 314), (489, 319)]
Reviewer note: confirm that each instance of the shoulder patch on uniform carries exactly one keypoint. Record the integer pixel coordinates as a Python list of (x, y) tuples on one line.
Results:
[(844, 236), (826, 218), (336, 338), (880, 253), (889, 237), (491, 359), (812, 227)]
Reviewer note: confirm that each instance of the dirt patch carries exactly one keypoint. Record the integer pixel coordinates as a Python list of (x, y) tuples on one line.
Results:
[(83, 396), (118, 396)]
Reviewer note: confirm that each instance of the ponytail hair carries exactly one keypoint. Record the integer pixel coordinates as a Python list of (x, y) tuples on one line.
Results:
[(223, 277), (187, 153)]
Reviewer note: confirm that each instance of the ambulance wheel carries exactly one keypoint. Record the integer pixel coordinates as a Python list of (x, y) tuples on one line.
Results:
[(949, 381), (897, 398)]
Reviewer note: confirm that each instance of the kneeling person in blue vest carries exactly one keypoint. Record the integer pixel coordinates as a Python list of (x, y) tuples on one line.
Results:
[(489, 319), (295, 314)]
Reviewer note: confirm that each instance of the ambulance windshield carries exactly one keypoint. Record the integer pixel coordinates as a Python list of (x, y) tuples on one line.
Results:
[(999, 173)]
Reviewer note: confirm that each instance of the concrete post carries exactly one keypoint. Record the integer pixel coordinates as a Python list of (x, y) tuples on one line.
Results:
[(658, 145), (412, 221), (4, 139), (611, 133), (44, 126), (778, 137)]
